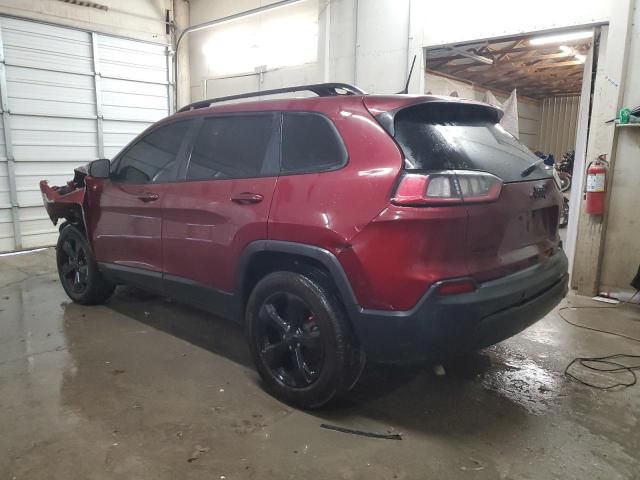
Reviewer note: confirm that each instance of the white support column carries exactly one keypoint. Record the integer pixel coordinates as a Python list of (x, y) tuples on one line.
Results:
[(11, 171), (415, 47), (98, 91), (171, 86), (382, 37), (182, 80), (324, 39), (607, 100), (356, 44)]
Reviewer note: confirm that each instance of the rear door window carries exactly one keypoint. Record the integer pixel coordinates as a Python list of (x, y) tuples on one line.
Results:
[(462, 137), (310, 143), (237, 146)]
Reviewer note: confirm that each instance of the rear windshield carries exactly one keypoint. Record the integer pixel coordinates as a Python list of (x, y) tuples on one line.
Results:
[(462, 137)]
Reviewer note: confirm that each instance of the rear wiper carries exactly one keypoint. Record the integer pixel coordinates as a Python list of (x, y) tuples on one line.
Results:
[(527, 171)]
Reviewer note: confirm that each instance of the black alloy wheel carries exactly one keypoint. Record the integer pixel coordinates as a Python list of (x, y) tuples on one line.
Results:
[(74, 267), (289, 340), (77, 269), (300, 338)]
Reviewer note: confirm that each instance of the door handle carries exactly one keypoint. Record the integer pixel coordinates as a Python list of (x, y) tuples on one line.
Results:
[(148, 197), (246, 198)]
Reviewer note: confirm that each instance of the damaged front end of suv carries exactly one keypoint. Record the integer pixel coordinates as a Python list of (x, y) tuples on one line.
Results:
[(77, 268), (70, 201), (66, 201)]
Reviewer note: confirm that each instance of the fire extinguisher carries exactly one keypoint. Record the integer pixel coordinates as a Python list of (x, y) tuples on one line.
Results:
[(595, 190)]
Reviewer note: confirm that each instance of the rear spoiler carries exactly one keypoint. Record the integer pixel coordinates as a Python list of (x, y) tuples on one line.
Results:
[(384, 109)]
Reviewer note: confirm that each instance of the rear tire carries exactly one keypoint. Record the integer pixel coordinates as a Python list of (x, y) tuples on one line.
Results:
[(78, 270), (300, 339)]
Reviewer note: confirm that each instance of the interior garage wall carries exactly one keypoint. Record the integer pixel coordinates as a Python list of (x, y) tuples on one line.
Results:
[(529, 110), (52, 114), (239, 56), (607, 252), (368, 43), (621, 250), (499, 18), (372, 42), (67, 97), (558, 125), (140, 19)]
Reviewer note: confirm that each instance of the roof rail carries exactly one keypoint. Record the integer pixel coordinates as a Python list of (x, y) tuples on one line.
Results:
[(320, 89)]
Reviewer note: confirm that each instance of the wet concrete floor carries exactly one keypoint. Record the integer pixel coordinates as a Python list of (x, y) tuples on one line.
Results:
[(145, 388)]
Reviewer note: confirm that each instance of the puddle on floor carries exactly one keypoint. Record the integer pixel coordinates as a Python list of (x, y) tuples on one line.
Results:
[(522, 381)]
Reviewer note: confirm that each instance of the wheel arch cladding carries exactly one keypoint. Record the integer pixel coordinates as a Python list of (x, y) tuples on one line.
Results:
[(265, 256)]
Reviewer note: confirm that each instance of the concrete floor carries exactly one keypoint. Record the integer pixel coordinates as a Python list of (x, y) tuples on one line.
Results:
[(144, 388)]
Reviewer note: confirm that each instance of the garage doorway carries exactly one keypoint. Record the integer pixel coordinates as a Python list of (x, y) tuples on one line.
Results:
[(544, 84), (68, 96)]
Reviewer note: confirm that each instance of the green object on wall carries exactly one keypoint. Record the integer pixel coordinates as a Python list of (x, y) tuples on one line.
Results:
[(624, 115)]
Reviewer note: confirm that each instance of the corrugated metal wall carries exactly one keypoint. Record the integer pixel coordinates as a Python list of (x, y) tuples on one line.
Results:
[(529, 114), (68, 97), (558, 125)]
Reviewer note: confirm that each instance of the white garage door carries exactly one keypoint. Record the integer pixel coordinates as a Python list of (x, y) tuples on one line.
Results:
[(67, 97)]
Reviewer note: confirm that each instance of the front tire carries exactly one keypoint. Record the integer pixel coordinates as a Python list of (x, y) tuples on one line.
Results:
[(78, 270), (300, 339)]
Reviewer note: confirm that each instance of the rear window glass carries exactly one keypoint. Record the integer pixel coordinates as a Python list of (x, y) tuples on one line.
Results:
[(462, 137), (310, 143)]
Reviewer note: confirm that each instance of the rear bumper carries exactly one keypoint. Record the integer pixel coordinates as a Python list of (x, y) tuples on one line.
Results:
[(441, 326)]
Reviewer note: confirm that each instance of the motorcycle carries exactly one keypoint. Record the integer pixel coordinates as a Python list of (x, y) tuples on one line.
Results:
[(564, 213), (562, 173), (564, 168)]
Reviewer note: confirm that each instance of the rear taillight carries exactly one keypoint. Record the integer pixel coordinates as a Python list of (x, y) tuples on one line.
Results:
[(446, 188)]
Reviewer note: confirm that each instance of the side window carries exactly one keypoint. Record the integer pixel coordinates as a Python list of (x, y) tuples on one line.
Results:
[(310, 143), (153, 158), (238, 146)]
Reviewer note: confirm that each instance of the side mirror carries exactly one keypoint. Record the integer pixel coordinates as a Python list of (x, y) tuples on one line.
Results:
[(100, 168)]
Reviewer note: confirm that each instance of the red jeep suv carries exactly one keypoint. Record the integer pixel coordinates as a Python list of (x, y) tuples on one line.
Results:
[(337, 228)]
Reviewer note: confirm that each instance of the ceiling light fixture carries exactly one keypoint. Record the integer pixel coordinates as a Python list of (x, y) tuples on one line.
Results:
[(473, 56), (561, 38), (82, 3)]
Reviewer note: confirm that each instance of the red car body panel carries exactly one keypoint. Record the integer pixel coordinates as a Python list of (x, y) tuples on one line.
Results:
[(323, 209), (391, 255), (512, 233), (128, 230), (404, 251), (205, 231)]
